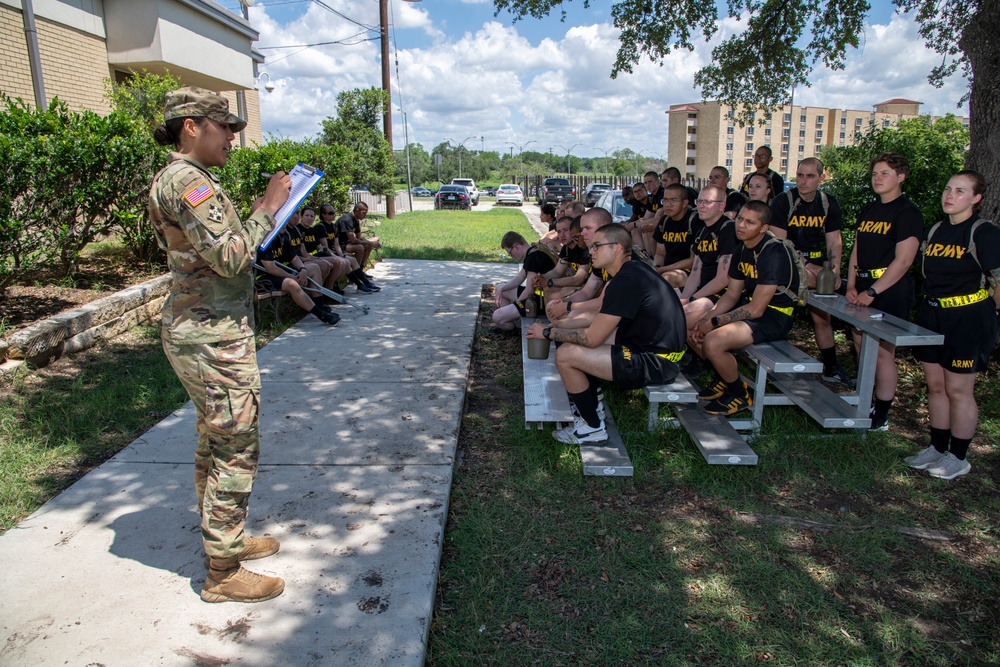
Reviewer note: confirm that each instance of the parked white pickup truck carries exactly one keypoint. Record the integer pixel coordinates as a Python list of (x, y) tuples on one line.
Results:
[(470, 185)]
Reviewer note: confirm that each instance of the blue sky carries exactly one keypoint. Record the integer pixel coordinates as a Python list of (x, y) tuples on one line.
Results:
[(465, 72)]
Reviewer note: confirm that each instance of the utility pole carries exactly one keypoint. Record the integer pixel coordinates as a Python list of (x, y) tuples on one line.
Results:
[(383, 22)]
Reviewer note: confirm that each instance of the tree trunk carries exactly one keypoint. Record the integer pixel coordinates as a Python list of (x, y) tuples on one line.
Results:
[(979, 44)]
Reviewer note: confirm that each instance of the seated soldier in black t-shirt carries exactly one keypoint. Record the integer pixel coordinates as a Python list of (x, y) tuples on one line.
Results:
[(635, 340), (351, 238), (331, 248), (306, 241), (510, 296), (277, 278), (719, 176), (714, 243), (573, 267), (674, 236), (757, 307), (577, 310)]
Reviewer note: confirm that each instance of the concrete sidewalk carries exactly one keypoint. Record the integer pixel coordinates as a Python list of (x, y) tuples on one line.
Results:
[(359, 431)]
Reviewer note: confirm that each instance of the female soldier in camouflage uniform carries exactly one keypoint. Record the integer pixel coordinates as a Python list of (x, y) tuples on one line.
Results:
[(208, 328)]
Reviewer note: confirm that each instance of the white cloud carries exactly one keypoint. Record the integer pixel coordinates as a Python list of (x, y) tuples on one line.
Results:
[(492, 81)]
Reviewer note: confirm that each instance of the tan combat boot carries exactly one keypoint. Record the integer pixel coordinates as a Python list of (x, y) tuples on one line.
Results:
[(228, 581), (254, 548)]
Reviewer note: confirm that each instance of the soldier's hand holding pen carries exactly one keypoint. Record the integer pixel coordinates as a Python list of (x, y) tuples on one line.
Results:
[(278, 189)]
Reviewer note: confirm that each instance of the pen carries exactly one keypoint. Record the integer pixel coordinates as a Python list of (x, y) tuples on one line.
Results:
[(266, 175)]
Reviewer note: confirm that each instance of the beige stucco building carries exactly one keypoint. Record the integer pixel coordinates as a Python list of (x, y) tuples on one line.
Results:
[(704, 134), (83, 42)]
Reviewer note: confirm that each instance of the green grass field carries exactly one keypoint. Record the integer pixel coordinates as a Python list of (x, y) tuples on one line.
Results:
[(468, 236)]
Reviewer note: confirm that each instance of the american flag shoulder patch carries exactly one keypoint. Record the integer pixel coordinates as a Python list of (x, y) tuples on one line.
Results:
[(198, 193)]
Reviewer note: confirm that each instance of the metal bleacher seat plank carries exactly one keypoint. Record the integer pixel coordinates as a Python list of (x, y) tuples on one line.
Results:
[(679, 391), (815, 399), (715, 437), (545, 399), (609, 459), (780, 356)]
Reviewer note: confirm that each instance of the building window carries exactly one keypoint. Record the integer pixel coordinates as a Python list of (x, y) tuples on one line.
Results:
[(786, 133), (749, 147), (818, 148), (691, 146), (802, 148), (729, 147), (729, 130), (693, 116), (690, 162), (784, 163), (788, 118), (819, 134), (802, 134), (693, 130), (784, 148), (767, 132), (802, 118), (843, 120), (857, 122), (819, 120), (729, 162), (843, 135), (886, 123), (749, 131), (749, 163)]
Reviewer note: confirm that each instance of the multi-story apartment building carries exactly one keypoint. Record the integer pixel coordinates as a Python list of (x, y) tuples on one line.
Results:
[(80, 43), (705, 134)]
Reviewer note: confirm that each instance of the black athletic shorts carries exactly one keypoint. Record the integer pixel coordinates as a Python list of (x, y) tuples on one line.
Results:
[(898, 300), (272, 282), (969, 335), (634, 370), (772, 325)]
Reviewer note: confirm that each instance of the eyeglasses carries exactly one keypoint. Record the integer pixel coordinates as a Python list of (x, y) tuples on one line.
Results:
[(672, 201), (706, 202), (594, 246)]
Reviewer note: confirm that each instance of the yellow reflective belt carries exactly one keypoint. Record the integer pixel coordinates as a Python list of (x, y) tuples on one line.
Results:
[(671, 356), (787, 311), (815, 254), (874, 273), (790, 310), (964, 300)]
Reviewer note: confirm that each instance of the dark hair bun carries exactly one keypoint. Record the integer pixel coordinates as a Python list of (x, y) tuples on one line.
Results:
[(163, 136)]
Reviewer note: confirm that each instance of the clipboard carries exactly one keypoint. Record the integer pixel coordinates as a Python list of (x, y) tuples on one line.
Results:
[(304, 180)]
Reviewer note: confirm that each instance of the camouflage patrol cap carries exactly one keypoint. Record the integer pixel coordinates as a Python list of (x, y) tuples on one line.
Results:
[(193, 102)]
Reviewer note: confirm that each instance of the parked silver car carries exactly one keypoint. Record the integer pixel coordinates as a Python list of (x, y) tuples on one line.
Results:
[(613, 202), (510, 194)]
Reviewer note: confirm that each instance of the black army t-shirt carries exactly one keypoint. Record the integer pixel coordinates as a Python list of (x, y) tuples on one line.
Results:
[(655, 200), (676, 236), (347, 223), (280, 250), (538, 261), (881, 227), (652, 319), (807, 224), (949, 270), (765, 264), (574, 255), (713, 242), (311, 237)]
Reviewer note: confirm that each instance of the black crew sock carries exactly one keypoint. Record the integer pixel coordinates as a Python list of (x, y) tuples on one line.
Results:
[(355, 278), (586, 405), (940, 438), (317, 310), (960, 447), (829, 355), (880, 411), (595, 384), (734, 389)]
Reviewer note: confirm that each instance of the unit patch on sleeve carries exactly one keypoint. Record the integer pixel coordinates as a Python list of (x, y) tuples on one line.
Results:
[(215, 213)]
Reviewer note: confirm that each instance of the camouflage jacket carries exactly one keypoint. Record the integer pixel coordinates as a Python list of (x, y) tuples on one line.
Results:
[(209, 253)]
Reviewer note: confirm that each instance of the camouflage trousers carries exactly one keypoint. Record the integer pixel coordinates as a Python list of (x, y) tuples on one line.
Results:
[(223, 382)]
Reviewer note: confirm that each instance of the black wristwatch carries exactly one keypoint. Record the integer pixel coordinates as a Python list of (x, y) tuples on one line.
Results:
[(569, 306), (545, 333), (871, 292), (548, 283), (715, 322)]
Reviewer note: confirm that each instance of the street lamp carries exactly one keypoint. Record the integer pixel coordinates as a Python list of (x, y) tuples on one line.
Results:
[(520, 148), (461, 147), (606, 156), (569, 150), (383, 25)]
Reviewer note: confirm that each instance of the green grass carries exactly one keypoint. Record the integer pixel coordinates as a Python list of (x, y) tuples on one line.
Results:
[(469, 236), (679, 565), (57, 423)]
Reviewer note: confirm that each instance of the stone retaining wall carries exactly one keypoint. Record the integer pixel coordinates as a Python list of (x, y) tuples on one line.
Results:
[(80, 328)]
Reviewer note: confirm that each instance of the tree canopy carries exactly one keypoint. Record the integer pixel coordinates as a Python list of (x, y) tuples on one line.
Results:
[(357, 128)]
